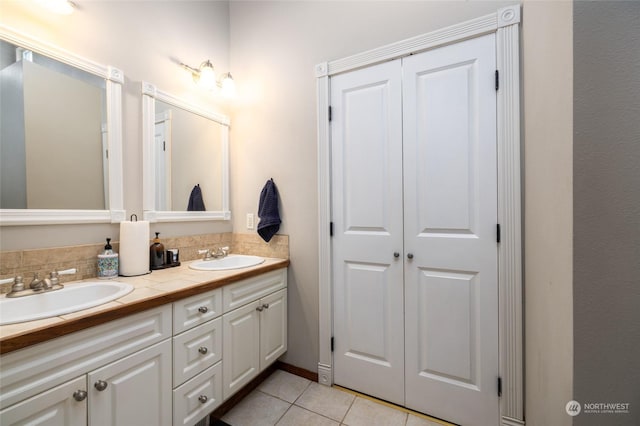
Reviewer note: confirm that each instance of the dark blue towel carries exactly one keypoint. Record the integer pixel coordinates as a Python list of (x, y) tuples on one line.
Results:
[(268, 211), (196, 203)]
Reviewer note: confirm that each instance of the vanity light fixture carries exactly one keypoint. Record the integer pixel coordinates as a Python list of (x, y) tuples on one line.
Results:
[(61, 7), (205, 76)]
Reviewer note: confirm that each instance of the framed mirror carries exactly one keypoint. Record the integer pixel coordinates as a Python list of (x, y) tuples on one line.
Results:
[(60, 135), (186, 159)]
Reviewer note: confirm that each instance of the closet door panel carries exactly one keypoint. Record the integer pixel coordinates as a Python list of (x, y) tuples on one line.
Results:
[(450, 181), (367, 216)]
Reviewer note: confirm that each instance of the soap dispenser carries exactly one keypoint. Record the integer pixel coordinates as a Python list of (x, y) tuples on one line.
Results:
[(156, 253), (108, 262)]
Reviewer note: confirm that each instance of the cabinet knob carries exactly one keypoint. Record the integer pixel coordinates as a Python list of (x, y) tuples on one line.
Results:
[(260, 308), (266, 306), (101, 385), (203, 398), (80, 395), (410, 255), (396, 254), (202, 350), (203, 309)]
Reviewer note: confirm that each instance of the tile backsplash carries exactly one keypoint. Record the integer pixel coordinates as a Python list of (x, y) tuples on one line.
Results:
[(84, 257)]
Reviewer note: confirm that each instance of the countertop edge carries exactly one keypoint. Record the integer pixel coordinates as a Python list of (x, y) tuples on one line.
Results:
[(42, 334)]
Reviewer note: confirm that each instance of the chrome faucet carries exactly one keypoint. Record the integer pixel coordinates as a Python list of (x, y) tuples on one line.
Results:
[(37, 285), (214, 254)]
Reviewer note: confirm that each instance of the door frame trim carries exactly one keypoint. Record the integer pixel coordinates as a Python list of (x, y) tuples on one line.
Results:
[(505, 23)]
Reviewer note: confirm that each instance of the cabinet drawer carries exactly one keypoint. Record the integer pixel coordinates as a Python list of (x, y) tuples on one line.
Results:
[(249, 290), (29, 371), (196, 349), (198, 397), (196, 310)]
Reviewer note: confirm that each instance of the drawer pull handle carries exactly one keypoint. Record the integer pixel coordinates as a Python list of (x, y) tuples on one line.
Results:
[(80, 395), (260, 308), (203, 309), (266, 306), (202, 350), (203, 398), (100, 385)]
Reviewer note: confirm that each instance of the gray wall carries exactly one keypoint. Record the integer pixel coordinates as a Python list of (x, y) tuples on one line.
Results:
[(607, 208)]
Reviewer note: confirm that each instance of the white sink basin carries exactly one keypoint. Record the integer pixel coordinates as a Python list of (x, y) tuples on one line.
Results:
[(233, 261), (73, 298)]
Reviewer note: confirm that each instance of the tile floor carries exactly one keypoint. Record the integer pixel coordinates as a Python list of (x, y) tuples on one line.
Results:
[(285, 399)]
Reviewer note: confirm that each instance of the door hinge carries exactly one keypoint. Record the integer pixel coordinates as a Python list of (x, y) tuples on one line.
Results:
[(499, 386), (497, 80), (330, 115), (497, 233), (331, 229), (331, 343)]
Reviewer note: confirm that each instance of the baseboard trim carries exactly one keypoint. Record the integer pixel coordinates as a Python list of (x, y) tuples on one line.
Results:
[(298, 371)]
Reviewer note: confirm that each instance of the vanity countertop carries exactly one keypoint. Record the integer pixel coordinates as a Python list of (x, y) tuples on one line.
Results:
[(150, 290)]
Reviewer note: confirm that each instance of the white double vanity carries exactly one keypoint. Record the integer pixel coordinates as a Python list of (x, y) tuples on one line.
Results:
[(170, 364)]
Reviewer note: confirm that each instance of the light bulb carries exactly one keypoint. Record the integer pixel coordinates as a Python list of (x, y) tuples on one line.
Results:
[(207, 75), (228, 86)]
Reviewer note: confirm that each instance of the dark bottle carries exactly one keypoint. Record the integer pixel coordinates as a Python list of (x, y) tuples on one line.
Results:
[(156, 253)]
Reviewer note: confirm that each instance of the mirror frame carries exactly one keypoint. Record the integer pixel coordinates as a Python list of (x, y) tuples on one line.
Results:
[(114, 79), (149, 95)]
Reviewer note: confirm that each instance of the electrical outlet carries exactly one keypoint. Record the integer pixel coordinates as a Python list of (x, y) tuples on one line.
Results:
[(250, 221)]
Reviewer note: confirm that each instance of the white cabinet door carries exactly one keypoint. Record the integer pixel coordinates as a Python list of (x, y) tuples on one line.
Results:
[(240, 347), (55, 407), (273, 327), (135, 390), (366, 138), (451, 287)]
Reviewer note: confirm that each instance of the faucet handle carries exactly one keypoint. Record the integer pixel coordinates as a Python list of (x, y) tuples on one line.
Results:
[(225, 250), (18, 284), (8, 280), (66, 272)]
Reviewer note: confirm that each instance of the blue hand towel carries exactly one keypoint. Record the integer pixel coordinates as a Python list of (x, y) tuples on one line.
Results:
[(268, 211), (196, 202)]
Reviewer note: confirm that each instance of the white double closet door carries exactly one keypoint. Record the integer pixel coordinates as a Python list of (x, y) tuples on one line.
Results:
[(414, 209)]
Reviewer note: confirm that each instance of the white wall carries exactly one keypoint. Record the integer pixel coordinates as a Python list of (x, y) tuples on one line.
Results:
[(146, 40)]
